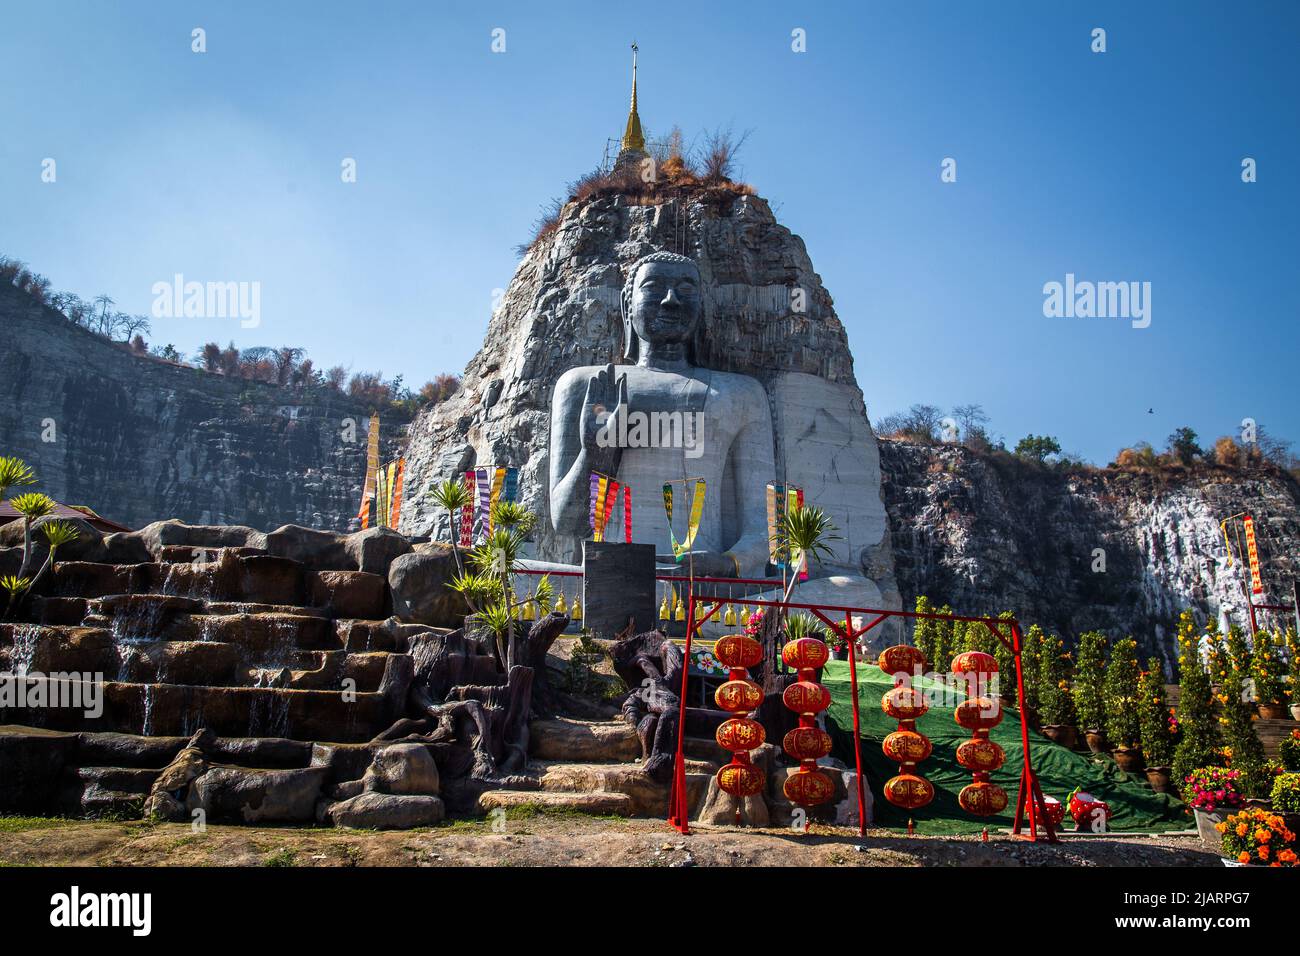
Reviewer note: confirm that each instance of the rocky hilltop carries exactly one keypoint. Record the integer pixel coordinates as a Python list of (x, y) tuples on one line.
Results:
[(767, 315), (988, 532), (139, 439)]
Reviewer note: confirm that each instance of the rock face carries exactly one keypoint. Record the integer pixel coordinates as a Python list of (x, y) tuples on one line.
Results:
[(766, 315), (988, 533), (139, 439)]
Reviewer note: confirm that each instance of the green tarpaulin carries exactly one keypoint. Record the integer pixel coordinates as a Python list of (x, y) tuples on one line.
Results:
[(1135, 806)]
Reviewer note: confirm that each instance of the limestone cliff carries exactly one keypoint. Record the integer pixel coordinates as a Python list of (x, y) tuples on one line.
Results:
[(139, 439), (766, 315), (986, 533)]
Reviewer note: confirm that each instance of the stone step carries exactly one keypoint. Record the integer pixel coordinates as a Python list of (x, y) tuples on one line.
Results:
[(649, 796), (178, 709), (600, 803)]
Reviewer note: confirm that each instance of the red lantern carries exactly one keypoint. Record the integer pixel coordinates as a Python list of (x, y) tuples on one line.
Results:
[(982, 798), (974, 662), (907, 746), (807, 743), (901, 659), (738, 651), (980, 755), (979, 713), (805, 697), (904, 704), (740, 778), (738, 696), (909, 791), (808, 786), (805, 654), (740, 733)]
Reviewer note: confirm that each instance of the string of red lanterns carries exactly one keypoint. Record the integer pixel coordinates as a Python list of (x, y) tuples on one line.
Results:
[(740, 734), (980, 755), (906, 746), (807, 742)]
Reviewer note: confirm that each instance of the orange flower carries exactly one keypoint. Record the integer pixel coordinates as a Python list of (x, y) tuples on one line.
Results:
[(1262, 835), (1242, 829), (1243, 857), (1263, 852), (1287, 856)]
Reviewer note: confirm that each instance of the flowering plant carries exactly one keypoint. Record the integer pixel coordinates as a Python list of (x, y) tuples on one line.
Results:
[(1257, 838), (1290, 751), (755, 622), (1286, 793), (1212, 788)]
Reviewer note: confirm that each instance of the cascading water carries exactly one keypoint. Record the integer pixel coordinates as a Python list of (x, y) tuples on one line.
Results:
[(24, 649)]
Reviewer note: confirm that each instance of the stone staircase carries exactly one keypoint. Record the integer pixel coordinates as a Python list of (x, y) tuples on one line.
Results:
[(595, 767)]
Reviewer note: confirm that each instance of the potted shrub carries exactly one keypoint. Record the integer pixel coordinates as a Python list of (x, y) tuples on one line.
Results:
[(1211, 794), (836, 641), (1198, 729), (1289, 750), (1293, 656), (1246, 753), (1088, 700), (1266, 671), (1286, 799), (1120, 691), (1256, 838), (1055, 701), (1153, 723)]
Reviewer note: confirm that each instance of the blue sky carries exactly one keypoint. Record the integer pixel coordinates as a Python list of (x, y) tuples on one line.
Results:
[(1119, 166)]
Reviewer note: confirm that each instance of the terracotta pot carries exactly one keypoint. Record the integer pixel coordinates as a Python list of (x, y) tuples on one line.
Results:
[(1295, 711), (1096, 741), (1211, 838), (1158, 777), (1128, 758), (1062, 734), (1272, 712)]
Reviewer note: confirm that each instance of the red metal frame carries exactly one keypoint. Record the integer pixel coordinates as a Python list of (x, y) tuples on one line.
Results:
[(1031, 808)]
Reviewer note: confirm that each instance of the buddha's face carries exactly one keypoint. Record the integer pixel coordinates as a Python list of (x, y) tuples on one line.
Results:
[(666, 301)]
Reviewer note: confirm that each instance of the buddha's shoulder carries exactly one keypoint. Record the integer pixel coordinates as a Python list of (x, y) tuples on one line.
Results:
[(737, 383), (578, 376)]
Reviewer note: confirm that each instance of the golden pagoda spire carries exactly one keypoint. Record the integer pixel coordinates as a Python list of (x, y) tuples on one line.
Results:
[(632, 137)]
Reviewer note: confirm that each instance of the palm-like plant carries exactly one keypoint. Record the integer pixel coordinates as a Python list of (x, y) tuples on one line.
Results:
[(14, 471), (31, 506), (15, 587), (57, 534), (496, 556), (454, 496), (805, 533)]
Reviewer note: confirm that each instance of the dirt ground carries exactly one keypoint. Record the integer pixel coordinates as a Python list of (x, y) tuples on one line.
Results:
[(527, 837)]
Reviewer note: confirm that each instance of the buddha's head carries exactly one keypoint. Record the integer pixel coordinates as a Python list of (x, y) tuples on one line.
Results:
[(662, 301)]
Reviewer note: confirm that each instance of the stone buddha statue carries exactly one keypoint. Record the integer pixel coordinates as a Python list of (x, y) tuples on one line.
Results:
[(663, 418)]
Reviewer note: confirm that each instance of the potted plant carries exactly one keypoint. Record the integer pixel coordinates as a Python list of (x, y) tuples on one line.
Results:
[(1153, 723), (1211, 793), (1055, 700), (1198, 729), (1246, 752), (1293, 657), (1256, 838), (1286, 799), (1266, 671), (1289, 750), (1120, 689), (1088, 698)]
